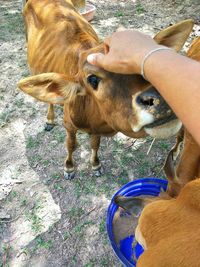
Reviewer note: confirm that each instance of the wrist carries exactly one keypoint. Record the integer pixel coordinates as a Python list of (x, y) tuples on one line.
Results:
[(150, 54), (158, 64), (138, 57)]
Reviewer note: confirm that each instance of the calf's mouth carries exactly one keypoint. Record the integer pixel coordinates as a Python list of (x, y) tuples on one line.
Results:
[(164, 128), (162, 121), (154, 115)]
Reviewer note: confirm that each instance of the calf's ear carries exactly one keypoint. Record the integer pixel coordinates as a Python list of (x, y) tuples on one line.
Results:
[(132, 205), (135, 205), (51, 87), (175, 36)]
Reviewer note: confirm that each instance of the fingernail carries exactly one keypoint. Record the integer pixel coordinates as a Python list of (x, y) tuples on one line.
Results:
[(91, 58)]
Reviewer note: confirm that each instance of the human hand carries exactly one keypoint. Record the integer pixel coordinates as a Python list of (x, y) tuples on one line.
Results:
[(124, 52)]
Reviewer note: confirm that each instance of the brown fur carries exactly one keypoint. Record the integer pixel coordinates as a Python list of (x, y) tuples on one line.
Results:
[(168, 229), (59, 40), (171, 230), (189, 165)]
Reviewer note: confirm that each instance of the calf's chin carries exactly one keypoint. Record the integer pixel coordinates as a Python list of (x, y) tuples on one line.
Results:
[(164, 131)]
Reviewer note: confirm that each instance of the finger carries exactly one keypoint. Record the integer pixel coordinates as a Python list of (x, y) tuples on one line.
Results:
[(96, 59)]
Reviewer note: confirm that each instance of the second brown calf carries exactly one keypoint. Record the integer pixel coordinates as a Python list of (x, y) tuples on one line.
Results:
[(169, 230)]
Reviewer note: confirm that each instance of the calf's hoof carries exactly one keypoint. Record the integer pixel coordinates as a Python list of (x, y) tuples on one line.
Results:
[(69, 175), (98, 172), (49, 126)]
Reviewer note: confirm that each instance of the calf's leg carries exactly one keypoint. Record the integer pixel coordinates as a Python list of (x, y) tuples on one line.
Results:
[(50, 118), (71, 144), (94, 160)]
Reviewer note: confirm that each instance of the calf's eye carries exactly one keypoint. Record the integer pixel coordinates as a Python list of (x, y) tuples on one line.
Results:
[(93, 80)]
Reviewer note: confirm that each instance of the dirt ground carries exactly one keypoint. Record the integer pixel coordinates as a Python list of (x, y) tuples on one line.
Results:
[(44, 219)]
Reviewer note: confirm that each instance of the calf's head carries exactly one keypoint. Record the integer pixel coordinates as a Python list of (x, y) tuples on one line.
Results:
[(128, 103)]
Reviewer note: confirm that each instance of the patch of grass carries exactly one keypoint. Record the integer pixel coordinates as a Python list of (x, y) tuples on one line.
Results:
[(90, 264), (42, 244), (163, 145), (123, 178), (126, 158), (79, 227), (13, 195), (66, 235), (6, 251), (75, 212), (46, 162), (55, 176), (77, 188), (19, 103), (94, 185), (140, 156), (35, 159), (105, 262), (116, 144), (23, 201), (60, 136), (142, 168), (106, 188), (74, 259), (25, 73), (105, 240), (15, 174), (34, 219), (139, 9), (4, 248), (36, 223), (119, 14), (31, 142), (4, 118), (89, 186), (34, 111), (102, 228), (59, 187), (11, 25)]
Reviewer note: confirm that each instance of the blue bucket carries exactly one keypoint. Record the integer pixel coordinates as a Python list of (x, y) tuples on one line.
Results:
[(144, 186)]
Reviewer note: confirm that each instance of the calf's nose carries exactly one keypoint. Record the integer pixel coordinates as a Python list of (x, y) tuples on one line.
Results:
[(153, 102), (148, 99)]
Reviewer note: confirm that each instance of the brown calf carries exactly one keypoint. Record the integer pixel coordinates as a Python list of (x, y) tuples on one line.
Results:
[(78, 4), (169, 230), (188, 167), (95, 101)]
